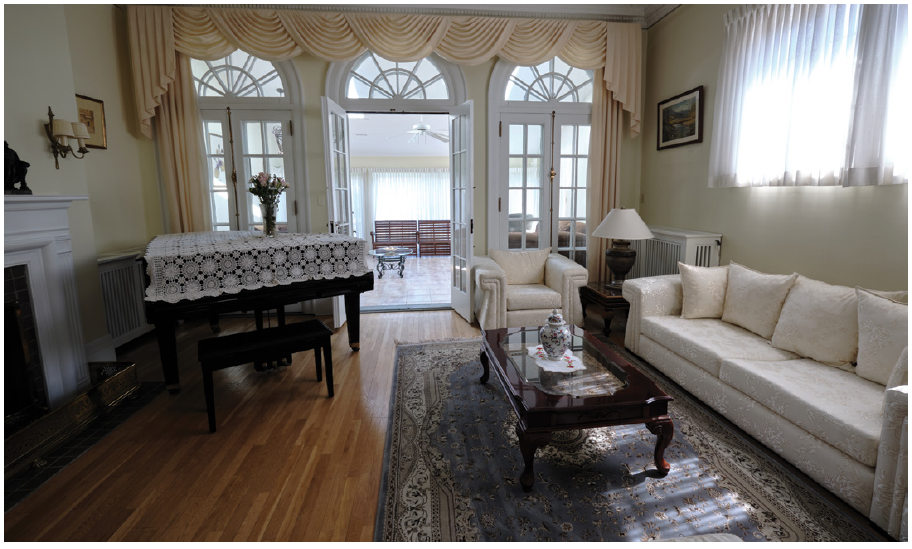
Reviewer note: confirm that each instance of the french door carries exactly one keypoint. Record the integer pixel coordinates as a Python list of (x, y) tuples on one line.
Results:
[(261, 142), (337, 149), (535, 208), (461, 207)]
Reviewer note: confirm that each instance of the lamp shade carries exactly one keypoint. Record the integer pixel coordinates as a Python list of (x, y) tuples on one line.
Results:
[(80, 131), (623, 224), (62, 128)]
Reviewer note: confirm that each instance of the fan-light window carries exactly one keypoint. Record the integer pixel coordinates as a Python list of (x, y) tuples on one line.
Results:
[(238, 75), (551, 81), (374, 77)]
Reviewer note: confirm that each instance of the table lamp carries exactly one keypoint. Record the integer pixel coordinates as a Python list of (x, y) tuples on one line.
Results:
[(621, 226)]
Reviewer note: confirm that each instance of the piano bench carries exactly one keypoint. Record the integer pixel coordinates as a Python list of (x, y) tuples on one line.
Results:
[(267, 344)]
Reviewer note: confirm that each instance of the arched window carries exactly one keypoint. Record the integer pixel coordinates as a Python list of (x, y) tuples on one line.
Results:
[(237, 75), (259, 94), (371, 82), (374, 77), (539, 120), (551, 81)]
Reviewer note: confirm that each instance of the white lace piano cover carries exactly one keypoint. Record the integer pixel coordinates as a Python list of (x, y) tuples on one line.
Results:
[(190, 266)]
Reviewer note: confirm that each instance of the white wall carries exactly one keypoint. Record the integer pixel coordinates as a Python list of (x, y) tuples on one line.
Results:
[(37, 74), (851, 236)]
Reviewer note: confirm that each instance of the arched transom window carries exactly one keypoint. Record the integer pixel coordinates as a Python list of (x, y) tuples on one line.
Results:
[(237, 75), (374, 77), (551, 81)]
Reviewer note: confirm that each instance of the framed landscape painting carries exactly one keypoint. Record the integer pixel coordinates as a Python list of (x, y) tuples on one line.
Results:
[(91, 113), (681, 120)]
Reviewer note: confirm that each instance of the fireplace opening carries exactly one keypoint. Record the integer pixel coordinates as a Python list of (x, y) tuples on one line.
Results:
[(24, 393)]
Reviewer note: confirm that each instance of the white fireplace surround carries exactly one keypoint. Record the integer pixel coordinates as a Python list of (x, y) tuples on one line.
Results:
[(36, 233)]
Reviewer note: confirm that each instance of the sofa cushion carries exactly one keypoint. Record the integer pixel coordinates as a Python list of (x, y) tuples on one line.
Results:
[(706, 342), (704, 290), (883, 332), (835, 406), (522, 297), (522, 267), (820, 321), (753, 299)]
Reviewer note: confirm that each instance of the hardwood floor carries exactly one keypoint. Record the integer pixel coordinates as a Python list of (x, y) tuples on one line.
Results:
[(287, 463)]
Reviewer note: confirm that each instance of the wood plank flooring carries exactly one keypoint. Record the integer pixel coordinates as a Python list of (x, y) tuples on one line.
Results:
[(287, 463)]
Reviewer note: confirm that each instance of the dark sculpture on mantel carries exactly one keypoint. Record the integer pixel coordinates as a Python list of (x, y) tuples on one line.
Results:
[(14, 171)]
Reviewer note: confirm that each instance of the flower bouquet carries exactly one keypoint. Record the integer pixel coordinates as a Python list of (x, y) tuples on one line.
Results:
[(268, 188)]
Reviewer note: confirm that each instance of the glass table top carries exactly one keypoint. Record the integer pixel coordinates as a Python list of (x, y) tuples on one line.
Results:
[(390, 251), (588, 374)]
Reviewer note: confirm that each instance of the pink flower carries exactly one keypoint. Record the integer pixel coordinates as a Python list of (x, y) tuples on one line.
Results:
[(263, 177)]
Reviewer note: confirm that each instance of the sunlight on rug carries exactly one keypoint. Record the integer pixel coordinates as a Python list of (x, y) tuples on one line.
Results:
[(452, 466)]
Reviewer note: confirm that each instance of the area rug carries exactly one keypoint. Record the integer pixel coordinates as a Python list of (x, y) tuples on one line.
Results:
[(452, 466)]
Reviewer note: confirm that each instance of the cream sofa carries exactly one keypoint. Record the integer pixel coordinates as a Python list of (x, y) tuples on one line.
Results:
[(520, 288), (802, 366)]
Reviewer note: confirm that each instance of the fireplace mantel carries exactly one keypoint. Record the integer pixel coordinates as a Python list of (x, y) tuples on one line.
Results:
[(36, 233)]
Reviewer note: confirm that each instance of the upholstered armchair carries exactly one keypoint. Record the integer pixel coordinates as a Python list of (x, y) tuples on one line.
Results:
[(521, 288)]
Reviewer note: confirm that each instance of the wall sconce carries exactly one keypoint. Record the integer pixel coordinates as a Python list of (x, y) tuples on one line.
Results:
[(59, 131)]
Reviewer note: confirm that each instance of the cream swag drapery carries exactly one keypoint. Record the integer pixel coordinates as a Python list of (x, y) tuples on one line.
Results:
[(157, 32)]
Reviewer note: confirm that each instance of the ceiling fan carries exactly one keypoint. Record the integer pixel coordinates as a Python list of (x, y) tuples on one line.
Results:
[(420, 129)]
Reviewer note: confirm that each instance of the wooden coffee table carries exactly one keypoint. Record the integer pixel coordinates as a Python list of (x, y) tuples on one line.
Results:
[(608, 391)]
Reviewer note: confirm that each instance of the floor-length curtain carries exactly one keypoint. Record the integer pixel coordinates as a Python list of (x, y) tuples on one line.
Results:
[(401, 193), (604, 170), (179, 142)]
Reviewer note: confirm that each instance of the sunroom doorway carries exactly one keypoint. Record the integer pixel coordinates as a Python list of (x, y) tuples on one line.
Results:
[(400, 180), (403, 108)]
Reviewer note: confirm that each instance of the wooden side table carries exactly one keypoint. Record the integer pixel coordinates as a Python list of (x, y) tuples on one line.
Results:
[(610, 299)]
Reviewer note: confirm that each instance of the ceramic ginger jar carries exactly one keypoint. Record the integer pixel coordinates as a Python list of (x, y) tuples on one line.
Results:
[(555, 336)]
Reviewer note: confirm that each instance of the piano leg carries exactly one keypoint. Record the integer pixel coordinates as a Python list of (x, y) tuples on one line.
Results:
[(167, 348), (353, 317)]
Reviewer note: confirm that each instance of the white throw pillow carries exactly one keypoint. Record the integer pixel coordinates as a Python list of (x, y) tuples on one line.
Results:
[(820, 321), (883, 333), (753, 299), (900, 296), (522, 267), (900, 374), (704, 290)]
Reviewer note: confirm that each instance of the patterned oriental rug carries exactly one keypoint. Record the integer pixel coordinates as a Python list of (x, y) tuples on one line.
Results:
[(452, 465)]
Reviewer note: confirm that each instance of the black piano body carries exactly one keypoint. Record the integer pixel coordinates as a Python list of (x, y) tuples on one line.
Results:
[(164, 315)]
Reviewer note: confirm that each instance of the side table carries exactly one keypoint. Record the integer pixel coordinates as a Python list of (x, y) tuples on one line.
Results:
[(609, 298)]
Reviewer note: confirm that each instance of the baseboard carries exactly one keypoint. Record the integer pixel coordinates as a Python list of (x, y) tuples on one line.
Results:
[(101, 350)]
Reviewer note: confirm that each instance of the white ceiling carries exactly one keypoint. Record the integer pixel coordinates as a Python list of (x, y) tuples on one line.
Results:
[(385, 135)]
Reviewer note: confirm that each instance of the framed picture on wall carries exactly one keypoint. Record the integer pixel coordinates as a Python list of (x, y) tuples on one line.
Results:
[(681, 120), (91, 113)]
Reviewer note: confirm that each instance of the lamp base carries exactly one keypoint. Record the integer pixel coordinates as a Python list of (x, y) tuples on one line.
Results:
[(620, 259)]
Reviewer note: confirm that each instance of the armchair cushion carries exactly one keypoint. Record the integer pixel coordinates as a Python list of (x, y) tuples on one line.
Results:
[(522, 267), (522, 297)]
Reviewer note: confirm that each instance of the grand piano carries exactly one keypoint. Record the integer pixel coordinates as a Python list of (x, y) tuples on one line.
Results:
[(203, 275)]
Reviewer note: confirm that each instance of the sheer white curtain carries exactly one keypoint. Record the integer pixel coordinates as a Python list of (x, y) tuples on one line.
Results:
[(400, 193), (809, 95)]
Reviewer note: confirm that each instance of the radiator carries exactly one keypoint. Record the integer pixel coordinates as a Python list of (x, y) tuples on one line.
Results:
[(122, 285), (660, 255)]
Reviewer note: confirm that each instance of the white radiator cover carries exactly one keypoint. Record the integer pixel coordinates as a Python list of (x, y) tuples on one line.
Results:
[(122, 285), (660, 255)]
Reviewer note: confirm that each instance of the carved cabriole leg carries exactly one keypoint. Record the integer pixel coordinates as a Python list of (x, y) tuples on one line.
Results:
[(486, 371), (664, 430), (527, 446)]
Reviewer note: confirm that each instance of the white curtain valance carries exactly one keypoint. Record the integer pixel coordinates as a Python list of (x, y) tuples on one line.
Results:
[(157, 32)]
